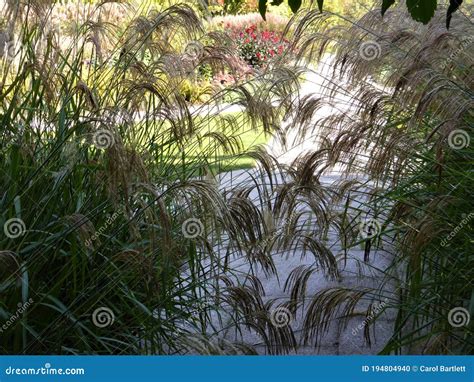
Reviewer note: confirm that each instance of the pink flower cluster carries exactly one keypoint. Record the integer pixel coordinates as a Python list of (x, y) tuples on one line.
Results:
[(256, 47)]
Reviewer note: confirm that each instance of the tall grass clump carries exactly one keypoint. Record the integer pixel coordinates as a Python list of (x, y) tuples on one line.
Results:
[(118, 237), (408, 133), (103, 166)]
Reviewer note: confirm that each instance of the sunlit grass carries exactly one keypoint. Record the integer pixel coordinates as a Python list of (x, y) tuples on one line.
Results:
[(206, 151)]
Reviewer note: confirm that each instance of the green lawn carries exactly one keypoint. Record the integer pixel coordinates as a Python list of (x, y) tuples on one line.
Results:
[(217, 144)]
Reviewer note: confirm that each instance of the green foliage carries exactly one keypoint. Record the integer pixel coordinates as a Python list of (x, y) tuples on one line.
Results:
[(453, 7), (386, 4), (233, 7), (420, 10), (102, 160), (415, 139), (228, 7), (295, 5)]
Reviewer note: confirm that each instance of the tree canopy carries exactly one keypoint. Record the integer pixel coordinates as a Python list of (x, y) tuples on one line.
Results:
[(420, 10)]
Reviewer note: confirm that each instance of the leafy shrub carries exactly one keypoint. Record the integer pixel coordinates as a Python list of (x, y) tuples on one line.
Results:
[(257, 48), (228, 7)]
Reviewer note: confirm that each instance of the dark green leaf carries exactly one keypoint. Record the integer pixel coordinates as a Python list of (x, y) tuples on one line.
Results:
[(262, 7), (294, 5), (276, 2), (453, 7), (422, 10), (320, 5), (386, 4)]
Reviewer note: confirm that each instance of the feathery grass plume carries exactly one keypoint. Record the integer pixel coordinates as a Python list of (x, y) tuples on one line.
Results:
[(405, 137), (103, 159), (113, 174)]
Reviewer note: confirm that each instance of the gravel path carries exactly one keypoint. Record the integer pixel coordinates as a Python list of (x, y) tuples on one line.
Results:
[(354, 272)]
